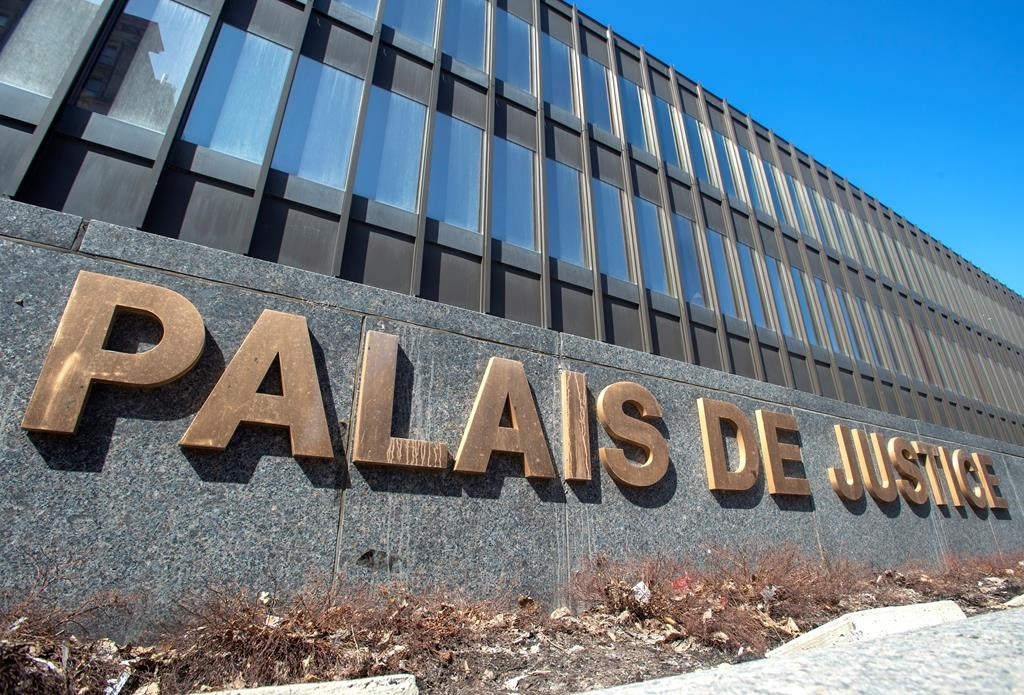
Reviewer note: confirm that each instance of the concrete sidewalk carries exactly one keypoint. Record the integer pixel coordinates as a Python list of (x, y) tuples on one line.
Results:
[(984, 654)]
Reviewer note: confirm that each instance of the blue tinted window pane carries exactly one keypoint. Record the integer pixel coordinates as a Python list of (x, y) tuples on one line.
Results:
[(234, 110), (774, 267), (800, 286), (414, 18), (689, 266), (652, 252), (700, 164), (869, 331), (840, 236), (752, 287), (564, 226), (389, 160), (797, 207), (611, 242), (748, 162), (557, 83), (512, 50), (154, 43), (773, 189), (512, 202), (666, 131), (720, 273), (844, 309), (595, 93), (633, 113), (826, 312), (464, 31), (319, 124), (455, 173), (366, 7), (723, 163), (818, 222)]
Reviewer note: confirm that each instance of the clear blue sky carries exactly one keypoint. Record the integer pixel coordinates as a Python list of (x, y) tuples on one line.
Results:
[(920, 104)]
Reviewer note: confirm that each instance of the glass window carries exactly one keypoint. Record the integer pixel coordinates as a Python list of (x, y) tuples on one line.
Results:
[(869, 330), (512, 194), (454, 195), (665, 121), (633, 113), (389, 160), (797, 207), (814, 202), (611, 239), (720, 273), (595, 93), (773, 190), (689, 265), (884, 327), (826, 313), (39, 40), (563, 216), (234, 109), (414, 18), (557, 76), (142, 69), (512, 50), (775, 275), (751, 285), (724, 165), (652, 251), (696, 147), (464, 31), (366, 7), (851, 332), (837, 224), (319, 124), (748, 162), (803, 295)]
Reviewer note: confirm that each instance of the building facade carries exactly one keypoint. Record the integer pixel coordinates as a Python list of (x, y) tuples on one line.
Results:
[(512, 157)]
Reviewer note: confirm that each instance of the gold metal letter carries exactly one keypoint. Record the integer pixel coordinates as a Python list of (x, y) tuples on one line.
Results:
[(846, 481), (947, 467), (930, 452), (774, 453), (235, 398), (575, 427), (77, 358), (712, 415), (624, 428), (372, 442), (975, 494), (989, 481), (876, 473), (504, 384), (911, 482)]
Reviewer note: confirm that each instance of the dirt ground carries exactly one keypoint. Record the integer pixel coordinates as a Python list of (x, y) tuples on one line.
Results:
[(637, 621)]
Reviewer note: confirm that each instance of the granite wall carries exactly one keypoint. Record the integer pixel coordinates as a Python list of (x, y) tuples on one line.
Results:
[(121, 506)]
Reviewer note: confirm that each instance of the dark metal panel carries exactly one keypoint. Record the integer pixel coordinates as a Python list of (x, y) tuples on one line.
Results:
[(824, 374), (563, 146), (629, 66), (713, 214), (462, 100), (594, 46), (337, 45), (706, 349), (450, 277), (682, 199), (557, 24), (295, 235), (666, 336), (520, 8), (871, 399), (801, 372), (514, 123), (771, 358), (400, 73), (572, 309), (15, 140), (645, 183), (271, 19), (606, 165), (741, 357), (202, 211), (622, 323), (377, 257), (515, 294)]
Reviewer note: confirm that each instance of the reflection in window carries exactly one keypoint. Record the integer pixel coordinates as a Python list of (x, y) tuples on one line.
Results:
[(389, 159), (414, 18), (512, 50), (663, 116), (557, 77), (837, 224), (366, 7), (319, 124), (803, 294), (826, 313), (773, 190), (851, 333), (775, 274), (454, 195), (748, 162), (814, 201), (234, 109), (869, 330), (751, 285), (512, 191), (694, 141), (801, 216), (724, 165), (652, 251), (611, 240), (595, 93), (563, 218), (633, 113), (720, 273), (689, 265), (142, 68), (464, 31), (40, 39)]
